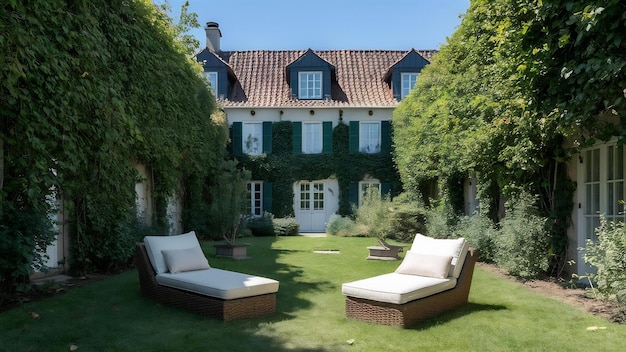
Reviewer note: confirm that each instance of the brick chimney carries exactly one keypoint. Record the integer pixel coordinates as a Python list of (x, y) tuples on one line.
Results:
[(213, 35)]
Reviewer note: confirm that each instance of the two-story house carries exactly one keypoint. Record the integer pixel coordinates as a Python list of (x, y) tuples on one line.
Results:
[(312, 126)]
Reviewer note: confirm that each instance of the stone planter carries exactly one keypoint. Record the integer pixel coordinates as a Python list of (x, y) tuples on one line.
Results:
[(236, 251)]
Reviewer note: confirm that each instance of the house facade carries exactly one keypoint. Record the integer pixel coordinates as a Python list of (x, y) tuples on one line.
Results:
[(312, 126)]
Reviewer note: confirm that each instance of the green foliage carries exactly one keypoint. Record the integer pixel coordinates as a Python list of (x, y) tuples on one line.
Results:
[(261, 226), (399, 219), (522, 243), (607, 255), (83, 100), (286, 227), (515, 91), (23, 228), (479, 231), (342, 226), (441, 219), (373, 214), (228, 202), (283, 168)]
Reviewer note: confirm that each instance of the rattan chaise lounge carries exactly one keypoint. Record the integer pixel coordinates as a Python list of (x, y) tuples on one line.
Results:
[(249, 302), (403, 299)]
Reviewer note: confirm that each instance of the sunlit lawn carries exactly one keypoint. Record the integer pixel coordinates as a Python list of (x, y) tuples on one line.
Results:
[(111, 315)]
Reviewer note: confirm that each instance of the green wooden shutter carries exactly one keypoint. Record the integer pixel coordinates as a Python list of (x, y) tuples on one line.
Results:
[(385, 189), (353, 194), (385, 137), (267, 137), (267, 197), (237, 138), (297, 137), (354, 136), (327, 132)]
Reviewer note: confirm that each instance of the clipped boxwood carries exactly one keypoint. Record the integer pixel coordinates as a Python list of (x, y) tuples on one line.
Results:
[(286, 227)]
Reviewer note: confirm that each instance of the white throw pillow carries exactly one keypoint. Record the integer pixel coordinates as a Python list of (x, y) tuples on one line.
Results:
[(187, 259), (155, 244), (457, 248), (420, 264)]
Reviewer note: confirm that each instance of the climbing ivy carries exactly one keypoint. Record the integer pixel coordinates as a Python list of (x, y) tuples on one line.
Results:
[(283, 168), (89, 89)]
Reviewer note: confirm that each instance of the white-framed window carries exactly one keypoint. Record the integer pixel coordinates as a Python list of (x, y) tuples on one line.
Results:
[(310, 85), (312, 137), (369, 137), (312, 196), (603, 186), (255, 198), (369, 188), (408, 80), (211, 77), (252, 138)]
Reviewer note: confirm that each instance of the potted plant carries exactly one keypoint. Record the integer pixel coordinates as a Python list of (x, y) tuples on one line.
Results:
[(229, 195)]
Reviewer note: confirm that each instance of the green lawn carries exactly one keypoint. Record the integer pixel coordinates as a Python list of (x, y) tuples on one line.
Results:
[(111, 315)]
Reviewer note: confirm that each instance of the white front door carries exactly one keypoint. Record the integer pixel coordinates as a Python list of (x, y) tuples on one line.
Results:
[(314, 203)]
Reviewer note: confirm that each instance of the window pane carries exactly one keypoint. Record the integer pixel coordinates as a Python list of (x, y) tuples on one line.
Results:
[(310, 85), (211, 77), (312, 141), (252, 138), (255, 198), (369, 137), (408, 82)]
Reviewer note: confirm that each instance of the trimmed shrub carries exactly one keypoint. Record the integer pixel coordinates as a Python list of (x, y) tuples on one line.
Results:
[(262, 226), (286, 227)]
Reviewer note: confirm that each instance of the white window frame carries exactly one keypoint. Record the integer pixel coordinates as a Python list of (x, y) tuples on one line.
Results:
[(252, 138), (369, 137), (603, 187), (407, 83), (599, 192), (212, 78), (364, 186), (254, 206), (310, 85), (312, 137)]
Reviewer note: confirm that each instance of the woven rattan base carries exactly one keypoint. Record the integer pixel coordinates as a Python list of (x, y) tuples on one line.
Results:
[(410, 313), (226, 310)]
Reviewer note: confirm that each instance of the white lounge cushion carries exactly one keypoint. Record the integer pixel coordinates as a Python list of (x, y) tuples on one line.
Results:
[(155, 244), (457, 248), (396, 288), (187, 259), (414, 263), (219, 283)]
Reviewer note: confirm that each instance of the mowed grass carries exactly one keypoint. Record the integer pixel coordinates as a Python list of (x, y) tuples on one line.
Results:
[(111, 315)]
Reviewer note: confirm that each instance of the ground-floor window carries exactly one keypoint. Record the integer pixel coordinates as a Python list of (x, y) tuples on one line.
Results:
[(602, 173), (370, 187), (255, 198)]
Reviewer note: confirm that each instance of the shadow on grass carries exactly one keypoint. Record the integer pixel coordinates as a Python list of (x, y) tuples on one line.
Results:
[(460, 312)]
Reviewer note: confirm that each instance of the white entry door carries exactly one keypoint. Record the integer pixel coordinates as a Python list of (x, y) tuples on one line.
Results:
[(314, 202)]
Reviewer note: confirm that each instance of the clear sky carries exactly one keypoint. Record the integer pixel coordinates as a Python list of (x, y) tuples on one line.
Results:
[(327, 24)]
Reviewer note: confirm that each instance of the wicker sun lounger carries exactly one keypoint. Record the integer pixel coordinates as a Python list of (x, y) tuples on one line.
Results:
[(247, 307), (407, 314)]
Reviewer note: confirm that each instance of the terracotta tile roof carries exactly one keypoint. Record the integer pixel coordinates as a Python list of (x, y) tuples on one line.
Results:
[(261, 78)]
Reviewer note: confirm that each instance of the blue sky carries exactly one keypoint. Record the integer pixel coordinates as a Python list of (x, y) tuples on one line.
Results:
[(327, 24)]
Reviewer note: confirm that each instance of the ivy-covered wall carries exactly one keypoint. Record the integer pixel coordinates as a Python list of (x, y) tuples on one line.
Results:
[(282, 167)]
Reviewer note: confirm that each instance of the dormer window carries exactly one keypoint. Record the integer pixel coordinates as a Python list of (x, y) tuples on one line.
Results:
[(310, 85), (408, 82), (211, 77)]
